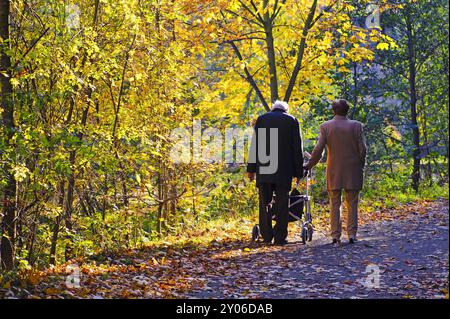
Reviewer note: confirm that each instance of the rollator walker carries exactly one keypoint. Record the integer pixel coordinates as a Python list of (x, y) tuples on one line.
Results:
[(297, 204)]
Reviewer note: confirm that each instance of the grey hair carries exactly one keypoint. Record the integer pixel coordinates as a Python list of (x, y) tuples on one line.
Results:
[(281, 105)]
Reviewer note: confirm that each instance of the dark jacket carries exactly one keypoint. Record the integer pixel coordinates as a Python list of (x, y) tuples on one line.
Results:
[(289, 155)]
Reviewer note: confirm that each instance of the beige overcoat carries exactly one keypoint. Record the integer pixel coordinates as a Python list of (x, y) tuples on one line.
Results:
[(346, 153)]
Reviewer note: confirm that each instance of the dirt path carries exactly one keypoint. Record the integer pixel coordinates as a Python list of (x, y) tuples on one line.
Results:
[(405, 255), (409, 255)]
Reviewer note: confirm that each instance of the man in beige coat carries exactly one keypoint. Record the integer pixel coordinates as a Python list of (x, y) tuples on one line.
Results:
[(346, 156)]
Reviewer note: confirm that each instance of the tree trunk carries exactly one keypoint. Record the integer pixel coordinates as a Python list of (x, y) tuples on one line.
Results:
[(68, 208), (413, 104), (56, 227), (9, 191), (268, 29), (355, 91), (173, 194), (161, 199), (427, 168)]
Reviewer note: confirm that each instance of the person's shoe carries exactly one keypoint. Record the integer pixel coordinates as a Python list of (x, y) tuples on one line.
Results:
[(352, 240), (336, 241), (280, 243), (267, 239)]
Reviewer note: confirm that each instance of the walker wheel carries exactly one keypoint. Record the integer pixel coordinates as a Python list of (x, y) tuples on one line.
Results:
[(304, 235), (310, 232), (255, 233)]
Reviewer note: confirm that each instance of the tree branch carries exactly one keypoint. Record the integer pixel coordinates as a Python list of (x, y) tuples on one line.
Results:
[(30, 48), (301, 51), (249, 76)]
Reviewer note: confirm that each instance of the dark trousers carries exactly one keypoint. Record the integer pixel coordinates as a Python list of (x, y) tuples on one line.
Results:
[(281, 209)]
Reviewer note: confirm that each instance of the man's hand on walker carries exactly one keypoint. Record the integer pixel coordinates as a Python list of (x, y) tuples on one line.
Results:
[(251, 176), (305, 171)]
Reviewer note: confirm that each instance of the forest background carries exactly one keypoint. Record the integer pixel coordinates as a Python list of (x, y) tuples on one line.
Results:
[(92, 90)]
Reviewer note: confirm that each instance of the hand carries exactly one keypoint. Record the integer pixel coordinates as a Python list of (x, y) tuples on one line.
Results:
[(305, 171), (251, 176)]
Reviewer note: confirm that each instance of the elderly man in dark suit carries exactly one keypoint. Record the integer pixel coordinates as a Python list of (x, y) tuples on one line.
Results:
[(276, 156)]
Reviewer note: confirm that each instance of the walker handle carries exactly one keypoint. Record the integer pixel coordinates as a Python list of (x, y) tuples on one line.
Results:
[(308, 178)]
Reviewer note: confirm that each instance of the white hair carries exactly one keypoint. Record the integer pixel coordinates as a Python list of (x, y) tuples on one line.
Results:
[(281, 105)]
